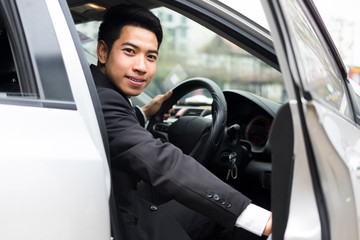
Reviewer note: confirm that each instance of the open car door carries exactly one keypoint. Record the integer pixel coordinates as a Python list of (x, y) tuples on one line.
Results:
[(323, 172)]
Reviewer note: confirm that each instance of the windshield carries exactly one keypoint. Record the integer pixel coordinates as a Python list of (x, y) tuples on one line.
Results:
[(250, 9), (190, 50)]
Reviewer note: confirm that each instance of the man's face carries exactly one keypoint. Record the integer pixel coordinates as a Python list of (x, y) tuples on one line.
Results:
[(131, 64)]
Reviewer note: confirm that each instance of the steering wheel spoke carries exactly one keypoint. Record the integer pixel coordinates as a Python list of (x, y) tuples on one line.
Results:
[(161, 130)]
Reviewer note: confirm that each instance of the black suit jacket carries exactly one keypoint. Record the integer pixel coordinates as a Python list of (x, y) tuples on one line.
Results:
[(135, 154)]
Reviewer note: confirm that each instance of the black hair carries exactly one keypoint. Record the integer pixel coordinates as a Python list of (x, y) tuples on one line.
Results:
[(119, 16)]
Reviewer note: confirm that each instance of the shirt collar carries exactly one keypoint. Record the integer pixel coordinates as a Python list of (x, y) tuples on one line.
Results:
[(101, 80)]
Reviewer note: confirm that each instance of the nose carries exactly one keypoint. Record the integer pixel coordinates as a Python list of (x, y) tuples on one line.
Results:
[(140, 64)]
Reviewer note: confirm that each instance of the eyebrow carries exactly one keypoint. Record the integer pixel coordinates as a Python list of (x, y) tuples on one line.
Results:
[(137, 47)]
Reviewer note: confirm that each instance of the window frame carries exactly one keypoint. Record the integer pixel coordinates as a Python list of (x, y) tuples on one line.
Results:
[(46, 79), (322, 36)]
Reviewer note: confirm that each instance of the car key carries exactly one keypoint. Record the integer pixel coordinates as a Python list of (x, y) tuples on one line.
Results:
[(234, 170)]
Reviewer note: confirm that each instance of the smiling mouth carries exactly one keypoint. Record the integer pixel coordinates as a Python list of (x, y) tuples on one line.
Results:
[(136, 81)]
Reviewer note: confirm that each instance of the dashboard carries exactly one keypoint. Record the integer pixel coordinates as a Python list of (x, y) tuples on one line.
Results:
[(254, 114), (247, 153)]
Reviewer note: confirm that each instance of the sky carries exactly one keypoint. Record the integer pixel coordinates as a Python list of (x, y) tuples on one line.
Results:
[(342, 19)]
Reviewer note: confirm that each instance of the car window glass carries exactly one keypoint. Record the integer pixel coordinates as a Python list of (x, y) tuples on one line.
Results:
[(10, 85), (190, 50), (250, 9), (321, 76)]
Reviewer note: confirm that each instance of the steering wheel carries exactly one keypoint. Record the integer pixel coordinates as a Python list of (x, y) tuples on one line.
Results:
[(196, 136)]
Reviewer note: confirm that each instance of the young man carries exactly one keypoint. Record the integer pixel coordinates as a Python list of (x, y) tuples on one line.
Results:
[(128, 44)]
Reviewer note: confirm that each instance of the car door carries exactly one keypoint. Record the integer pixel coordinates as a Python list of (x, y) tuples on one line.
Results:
[(54, 175), (324, 195)]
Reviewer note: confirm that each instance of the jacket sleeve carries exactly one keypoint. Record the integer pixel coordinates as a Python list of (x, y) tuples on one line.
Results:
[(134, 150)]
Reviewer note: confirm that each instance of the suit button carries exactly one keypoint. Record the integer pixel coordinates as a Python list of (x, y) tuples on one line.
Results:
[(227, 204), (153, 208), (209, 194), (216, 197)]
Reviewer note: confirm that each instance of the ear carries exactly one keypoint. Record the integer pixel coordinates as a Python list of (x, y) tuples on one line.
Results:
[(102, 51)]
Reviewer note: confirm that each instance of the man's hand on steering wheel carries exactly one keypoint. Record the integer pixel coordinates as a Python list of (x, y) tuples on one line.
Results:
[(196, 136), (153, 107)]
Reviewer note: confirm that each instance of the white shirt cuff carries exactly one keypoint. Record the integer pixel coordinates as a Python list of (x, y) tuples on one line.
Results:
[(253, 219)]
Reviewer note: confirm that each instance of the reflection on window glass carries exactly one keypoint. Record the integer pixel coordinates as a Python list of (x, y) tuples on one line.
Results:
[(317, 70), (189, 50)]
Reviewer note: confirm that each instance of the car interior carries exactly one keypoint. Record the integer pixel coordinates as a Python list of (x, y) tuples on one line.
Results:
[(249, 118), (238, 142), (255, 126)]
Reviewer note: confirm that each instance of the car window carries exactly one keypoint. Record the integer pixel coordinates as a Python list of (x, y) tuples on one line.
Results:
[(190, 50), (10, 85), (321, 77), (32, 70), (252, 10)]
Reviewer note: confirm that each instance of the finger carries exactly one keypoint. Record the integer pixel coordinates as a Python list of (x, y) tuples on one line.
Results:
[(166, 116), (171, 110), (167, 95)]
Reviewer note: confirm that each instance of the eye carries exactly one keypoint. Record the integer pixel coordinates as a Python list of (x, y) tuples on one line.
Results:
[(129, 50), (152, 57)]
